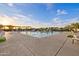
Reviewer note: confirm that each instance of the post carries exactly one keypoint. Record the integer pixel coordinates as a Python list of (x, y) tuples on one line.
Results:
[(72, 41)]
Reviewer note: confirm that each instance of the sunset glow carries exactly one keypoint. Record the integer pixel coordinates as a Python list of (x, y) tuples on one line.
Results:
[(5, 20), (39, 15)]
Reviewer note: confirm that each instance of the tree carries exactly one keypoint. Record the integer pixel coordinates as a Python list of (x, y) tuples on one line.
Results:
[(10, 27), (75, 26), (1, 26)]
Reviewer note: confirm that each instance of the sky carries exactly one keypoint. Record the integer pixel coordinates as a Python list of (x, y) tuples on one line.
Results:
[(39, 14)]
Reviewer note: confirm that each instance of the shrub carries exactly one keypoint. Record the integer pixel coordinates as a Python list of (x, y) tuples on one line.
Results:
[(2, 39), (70, 36)]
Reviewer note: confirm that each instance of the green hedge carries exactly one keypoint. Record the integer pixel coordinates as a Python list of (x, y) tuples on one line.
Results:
[(2, 39)]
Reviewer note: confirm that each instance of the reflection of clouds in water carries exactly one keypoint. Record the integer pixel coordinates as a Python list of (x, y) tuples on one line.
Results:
[(33, 34), (39, 34)]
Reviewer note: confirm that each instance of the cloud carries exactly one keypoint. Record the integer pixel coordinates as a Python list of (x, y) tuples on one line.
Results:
[(15, 16), (63, 22), (57, 22), (61, 12), (72, 20), (49, 6), (10, 4), (4, 9), (25, 20), (30, 15), (17, 19), (29, 21), (20, 15), (6, 20)]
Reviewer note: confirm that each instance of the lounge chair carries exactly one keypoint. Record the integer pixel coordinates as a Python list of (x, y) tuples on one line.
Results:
[(75, 38)]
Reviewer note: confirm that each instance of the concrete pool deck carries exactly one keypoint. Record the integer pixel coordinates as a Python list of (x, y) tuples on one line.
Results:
[(18, 44)]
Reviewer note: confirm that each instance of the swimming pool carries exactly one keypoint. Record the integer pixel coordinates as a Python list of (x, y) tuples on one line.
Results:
[(39, 34)]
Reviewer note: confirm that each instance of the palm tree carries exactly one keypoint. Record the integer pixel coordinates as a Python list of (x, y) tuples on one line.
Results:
[(75, 26), (1, 26), (10, 27)]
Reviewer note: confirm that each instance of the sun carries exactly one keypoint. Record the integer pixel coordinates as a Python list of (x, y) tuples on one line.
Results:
[(5, 22)]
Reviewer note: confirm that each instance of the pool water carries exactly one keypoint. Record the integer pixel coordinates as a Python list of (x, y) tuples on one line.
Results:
[(39, 34)]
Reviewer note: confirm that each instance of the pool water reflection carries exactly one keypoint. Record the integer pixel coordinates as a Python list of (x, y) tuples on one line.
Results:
[(39, 34)]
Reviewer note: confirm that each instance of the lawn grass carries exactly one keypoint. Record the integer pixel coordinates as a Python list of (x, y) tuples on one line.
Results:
[(2, 39)]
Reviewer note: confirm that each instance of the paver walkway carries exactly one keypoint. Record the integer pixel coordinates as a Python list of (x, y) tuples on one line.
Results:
[(24, 45)]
